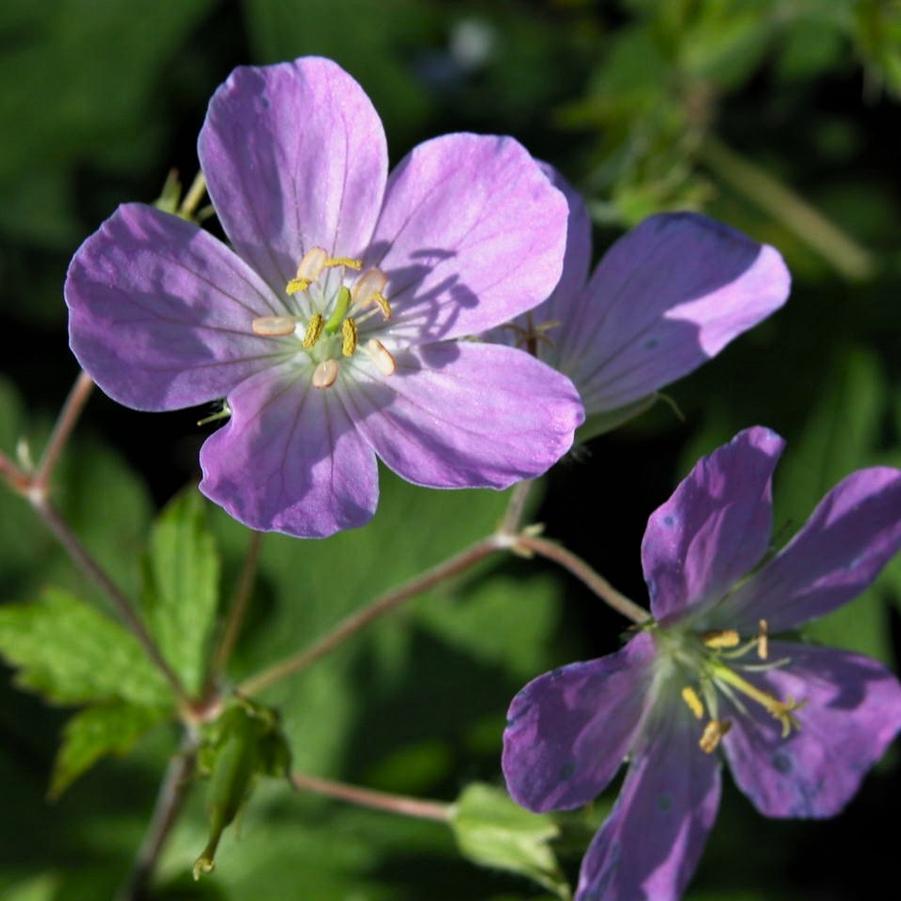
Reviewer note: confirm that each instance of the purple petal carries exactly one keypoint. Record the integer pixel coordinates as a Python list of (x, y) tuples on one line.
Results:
[(569, 730), (651, 843), (290, 459), (294, 157), (715, 527), (465, 415), (668, 296), (851, 713), (854, 531), (471, 235), (160, 312)]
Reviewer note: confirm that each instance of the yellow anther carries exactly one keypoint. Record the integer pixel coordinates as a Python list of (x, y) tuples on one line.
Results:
[(763, 644), (779, 710), (349, 262), (325, 374), (721, 638), (713, 734), (382, 357), (296, 285), (308, 270), (273, 326), (349, 337), (690, 696), (314, 330), (382, 303), (369, 288)]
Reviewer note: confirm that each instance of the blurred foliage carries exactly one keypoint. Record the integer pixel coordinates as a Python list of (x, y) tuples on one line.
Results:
[(777, 116)]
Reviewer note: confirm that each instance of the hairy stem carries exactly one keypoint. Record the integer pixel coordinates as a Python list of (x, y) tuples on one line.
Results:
[(809, 224), (122, 605), (585, 574), (367, 797), (372, 611), (170, 799), (238, 608), (65, 423), (516, 507)]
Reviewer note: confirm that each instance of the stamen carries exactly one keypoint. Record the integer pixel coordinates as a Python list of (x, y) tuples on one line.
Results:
[(721, 638), (382, 357), (690, 696), (314, 330), (325, 374), (369, 288), (308, 270), (713, 734), (349, 262), (779, 710), (341, 304), (272, 326), (763, 645), (349, 336)]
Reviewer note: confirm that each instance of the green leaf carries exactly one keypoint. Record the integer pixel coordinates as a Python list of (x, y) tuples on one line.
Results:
[(71, 654), (181, 586), (96, 732), (493, 831)]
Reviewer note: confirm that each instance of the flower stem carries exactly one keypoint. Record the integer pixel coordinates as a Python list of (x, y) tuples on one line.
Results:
[(377, 800), (92, 569), (585, 574), (65, 423), (349, 626), (809, 224), (169, 802), (238, 608), (516, 508)]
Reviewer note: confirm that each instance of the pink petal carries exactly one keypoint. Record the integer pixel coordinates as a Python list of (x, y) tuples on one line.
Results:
[(290, 459), (851, 713), (854, 531), (666, 297), (715, 527), (294, 157), (160, 312), (650, 845), (471, 235), (466, 415), (569, 730)]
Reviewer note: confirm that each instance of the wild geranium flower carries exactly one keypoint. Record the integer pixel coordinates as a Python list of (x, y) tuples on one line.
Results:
[(799, 725), (666, 297), (330, 325)]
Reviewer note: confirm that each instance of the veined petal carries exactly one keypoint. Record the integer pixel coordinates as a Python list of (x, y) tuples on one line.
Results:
[(465, 415), (651, 843), (715, 527), (851, 712), (666, 297), (160, 312), (472, 233), (294, 157), (289, 459), (854, 531), (569, 730)]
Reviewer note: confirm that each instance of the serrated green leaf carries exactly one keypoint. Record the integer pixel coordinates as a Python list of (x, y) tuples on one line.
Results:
[(71, 654), (493, 831), (97, 732), (181, 586)]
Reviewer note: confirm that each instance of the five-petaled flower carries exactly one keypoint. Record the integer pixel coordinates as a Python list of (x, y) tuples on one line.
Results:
[(799, 725), (330, 327), (665, 298)]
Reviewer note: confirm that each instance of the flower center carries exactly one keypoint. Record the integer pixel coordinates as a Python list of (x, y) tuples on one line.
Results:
[(331, 331), (717, 658)]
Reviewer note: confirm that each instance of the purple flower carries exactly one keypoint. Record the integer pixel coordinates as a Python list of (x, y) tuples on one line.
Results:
[(799, 725), (330, 327), (665, 298)]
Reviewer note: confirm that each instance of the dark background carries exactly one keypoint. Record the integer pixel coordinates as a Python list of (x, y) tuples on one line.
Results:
[(634, 102)]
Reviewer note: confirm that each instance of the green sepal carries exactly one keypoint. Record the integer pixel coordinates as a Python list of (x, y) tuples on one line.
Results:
[(601, 423), (242, 744), (493, 831)]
